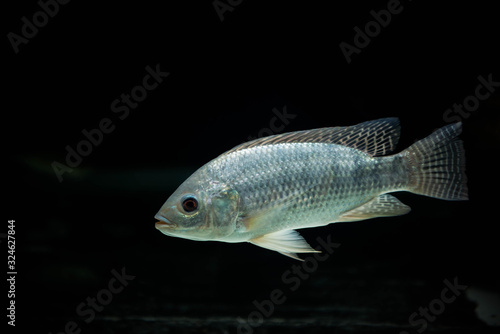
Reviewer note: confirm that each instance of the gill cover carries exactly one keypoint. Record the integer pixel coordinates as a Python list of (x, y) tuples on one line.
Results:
[(223, 211)]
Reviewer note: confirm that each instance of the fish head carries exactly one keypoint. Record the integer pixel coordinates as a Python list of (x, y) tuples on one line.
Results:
[(199, 211)]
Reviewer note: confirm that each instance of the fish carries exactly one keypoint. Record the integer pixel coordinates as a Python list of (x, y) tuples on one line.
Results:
[(264, 190)]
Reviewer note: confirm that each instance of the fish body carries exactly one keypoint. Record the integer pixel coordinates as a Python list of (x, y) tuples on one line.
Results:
[(264, 190)]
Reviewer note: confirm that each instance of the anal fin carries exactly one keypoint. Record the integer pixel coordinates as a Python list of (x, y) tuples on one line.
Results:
[(384, 205), (287, 242)]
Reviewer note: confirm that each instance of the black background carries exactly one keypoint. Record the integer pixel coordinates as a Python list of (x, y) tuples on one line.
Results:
[(225, 79)]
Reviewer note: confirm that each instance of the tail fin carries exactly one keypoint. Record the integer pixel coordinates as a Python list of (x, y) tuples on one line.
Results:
[(437, 165)]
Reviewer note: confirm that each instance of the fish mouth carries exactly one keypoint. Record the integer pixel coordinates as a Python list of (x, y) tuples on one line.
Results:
[(163, 223)]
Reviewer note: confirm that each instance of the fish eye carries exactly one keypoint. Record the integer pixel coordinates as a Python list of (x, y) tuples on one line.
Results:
[(189, 203)]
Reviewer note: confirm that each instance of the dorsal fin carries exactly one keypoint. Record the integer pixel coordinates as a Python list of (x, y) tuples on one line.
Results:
[(378, 137)]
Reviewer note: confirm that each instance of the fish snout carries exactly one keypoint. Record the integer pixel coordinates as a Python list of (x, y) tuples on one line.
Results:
[(163, 222)]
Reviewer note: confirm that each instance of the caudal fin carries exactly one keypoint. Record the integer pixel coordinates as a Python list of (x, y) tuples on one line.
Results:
[(437, 165)]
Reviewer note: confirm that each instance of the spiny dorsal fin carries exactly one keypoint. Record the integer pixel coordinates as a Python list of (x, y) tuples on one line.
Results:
[(378, 137)]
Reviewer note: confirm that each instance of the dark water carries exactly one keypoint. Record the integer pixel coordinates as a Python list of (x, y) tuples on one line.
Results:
[(91, 92)]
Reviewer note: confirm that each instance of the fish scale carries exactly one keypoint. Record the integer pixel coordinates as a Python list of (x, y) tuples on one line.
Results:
[(264, 190), (318, 181)]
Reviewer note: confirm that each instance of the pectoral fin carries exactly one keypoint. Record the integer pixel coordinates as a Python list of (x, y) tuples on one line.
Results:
[(267, 215), (288, 242), (382, 206)]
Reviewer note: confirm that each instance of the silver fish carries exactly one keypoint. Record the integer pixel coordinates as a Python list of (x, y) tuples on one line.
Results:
[(263, 190)]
